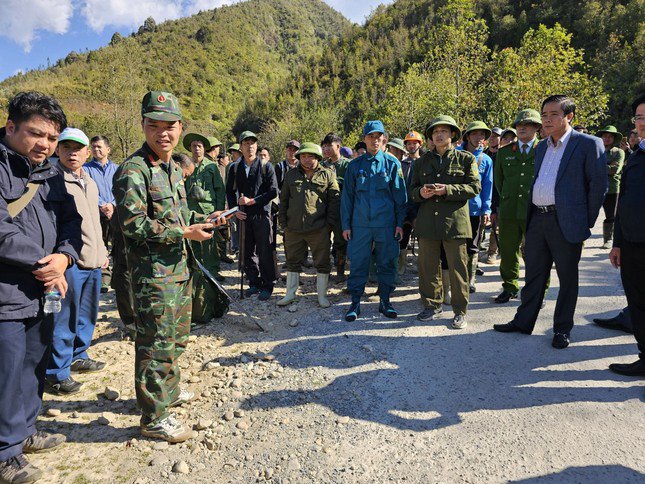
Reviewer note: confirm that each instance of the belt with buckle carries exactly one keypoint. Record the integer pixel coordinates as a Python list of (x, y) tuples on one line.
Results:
[(545, 208)]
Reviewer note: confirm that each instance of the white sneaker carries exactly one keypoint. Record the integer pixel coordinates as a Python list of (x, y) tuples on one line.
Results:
[(168, 429), (184, 397), (459, 322)]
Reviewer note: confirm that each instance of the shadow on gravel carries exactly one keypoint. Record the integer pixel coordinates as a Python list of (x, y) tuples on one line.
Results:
[(425, 383), (610, 473)]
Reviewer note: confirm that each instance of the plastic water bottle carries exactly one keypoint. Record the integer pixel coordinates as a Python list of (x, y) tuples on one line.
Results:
[(52, 302)]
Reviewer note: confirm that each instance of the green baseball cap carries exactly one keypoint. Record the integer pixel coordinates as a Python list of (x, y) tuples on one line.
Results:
[(311, 148), (397, 143), (446, 121), (190, 137), (233, 147), (475, 125), (247, 135), (611, 130), (527, 116), (160, 106)]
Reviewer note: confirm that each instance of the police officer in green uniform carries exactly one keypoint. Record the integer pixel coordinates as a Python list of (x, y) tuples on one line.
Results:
[(513, 178), (331, 145), (309, 212), (442, 182), (206, 194), (154, 217), (611, 138)]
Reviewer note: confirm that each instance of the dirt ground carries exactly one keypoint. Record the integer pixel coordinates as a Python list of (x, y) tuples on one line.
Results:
[(316, 399)]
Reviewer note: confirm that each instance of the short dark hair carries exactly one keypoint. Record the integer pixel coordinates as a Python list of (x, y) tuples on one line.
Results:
[(24, 105), (331, 138), (637, 102), (566, 103), (359, 145), (100, 137), (183, 160)]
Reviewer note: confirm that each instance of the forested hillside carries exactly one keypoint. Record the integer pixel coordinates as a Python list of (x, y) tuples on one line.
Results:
[(299, 69)]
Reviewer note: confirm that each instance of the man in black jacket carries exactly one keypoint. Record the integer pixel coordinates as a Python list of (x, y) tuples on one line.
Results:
[(40, 237), (628, 252), (252, 186)]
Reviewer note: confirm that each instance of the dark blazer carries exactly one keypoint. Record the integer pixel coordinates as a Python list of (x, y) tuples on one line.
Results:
[(580, 186), (261, 184)]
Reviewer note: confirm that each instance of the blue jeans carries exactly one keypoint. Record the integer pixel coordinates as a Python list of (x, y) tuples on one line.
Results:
[(24, 354), (74, 324), (359, 252)]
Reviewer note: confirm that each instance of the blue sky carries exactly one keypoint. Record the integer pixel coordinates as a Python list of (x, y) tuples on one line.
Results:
[(33, 31)]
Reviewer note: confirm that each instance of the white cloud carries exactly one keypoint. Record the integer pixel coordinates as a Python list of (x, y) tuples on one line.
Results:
[(20, 20), (128, 13)]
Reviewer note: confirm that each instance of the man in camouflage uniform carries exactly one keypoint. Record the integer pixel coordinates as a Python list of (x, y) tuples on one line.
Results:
[(337, 163), (154, 217), (206, 194), (611, 138)]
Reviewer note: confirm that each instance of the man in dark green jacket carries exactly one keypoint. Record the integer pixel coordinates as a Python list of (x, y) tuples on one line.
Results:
[(309, 211), (611, 138), (442, 182)]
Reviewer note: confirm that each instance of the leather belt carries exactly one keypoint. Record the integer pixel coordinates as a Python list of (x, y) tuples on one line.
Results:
[(545, 208)]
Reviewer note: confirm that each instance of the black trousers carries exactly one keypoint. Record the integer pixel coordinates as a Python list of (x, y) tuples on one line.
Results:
[(258, 251), (473, 244), (545, 244), (107, 231), (632, 273), (609, 207), (24, 354)]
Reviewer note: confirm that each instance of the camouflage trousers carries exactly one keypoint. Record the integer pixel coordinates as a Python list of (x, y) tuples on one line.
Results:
[(163, 327)]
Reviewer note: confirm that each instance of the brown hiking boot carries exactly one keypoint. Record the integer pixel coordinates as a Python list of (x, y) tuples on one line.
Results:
[(42, 442), (18, 470)]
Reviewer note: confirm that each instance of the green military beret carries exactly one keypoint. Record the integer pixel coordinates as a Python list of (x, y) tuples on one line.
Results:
[(397, 143), (527, 116), (247, 135), (311, 148), (160, 106), (190, 137), (475, 125), (446, 121), (611, 130)]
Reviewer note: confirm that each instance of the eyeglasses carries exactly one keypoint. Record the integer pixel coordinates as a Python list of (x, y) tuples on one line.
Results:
[(637, 119)]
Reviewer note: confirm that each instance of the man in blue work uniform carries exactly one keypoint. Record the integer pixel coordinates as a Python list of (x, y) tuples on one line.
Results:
[(373, 205)]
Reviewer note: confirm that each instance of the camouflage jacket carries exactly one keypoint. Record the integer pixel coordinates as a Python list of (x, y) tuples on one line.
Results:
[(152, 212), (205, 188)]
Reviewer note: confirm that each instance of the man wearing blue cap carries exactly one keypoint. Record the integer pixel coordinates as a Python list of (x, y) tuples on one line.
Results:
[(373, 204)]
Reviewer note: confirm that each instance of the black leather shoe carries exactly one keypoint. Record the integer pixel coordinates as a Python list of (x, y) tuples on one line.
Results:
[(251, 291), (560, 341), (630, 369), (509, 328), (227, 259), (353, 312), (479, 272), (385, 308), (505, 296), (219, 277), (620, 322), (64, 387)]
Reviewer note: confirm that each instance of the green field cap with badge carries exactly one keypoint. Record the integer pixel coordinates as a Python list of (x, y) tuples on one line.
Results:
[(247, 135), (160, 106), (445, 121), (74, 134), (475, 125), (311, 148), (190, 137), (609, 129), (527, 116)]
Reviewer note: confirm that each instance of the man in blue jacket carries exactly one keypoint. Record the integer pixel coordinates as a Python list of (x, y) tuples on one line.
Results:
[(40, 237), (479, 206), (566, 195), (373, 203)]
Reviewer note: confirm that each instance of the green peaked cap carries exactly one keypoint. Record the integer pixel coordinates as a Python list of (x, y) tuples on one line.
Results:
[(611, 130), (446, 121), (311, 148), (247, 135), (477, 125), (190, 137), (160, 106), (233, 147), (527, 116), (397, 143)]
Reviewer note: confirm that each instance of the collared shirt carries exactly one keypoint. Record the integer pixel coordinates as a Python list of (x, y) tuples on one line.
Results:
[(544, 188), (528, 145), (102, 176)]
